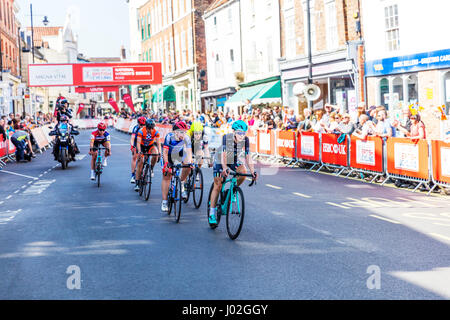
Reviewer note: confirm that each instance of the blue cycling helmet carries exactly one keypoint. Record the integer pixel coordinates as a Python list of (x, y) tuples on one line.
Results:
[(239, 125)]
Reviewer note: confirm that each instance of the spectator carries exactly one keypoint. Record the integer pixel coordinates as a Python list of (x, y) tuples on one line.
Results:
[(327, 114), (333, 122), (2, 129), (291, 120), (269, 123), (417, 129), (21, 139), (346, 126), (258, 124), (403, 127), (360, 110), (307, 123), (383, 127), (367, 127), (319, 126)]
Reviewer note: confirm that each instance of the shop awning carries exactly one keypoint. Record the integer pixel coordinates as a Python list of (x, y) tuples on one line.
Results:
[(166, 93), (271, 92), (260, 93)]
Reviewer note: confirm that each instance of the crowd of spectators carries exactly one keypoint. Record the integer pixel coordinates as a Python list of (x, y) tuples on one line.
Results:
[(371, 121)]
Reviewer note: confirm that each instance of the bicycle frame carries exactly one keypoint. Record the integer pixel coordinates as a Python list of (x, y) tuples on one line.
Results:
[(233, 183)]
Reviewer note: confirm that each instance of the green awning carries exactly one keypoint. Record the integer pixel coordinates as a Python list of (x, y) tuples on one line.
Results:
[(271, 90), (245, 93), (166, 93)]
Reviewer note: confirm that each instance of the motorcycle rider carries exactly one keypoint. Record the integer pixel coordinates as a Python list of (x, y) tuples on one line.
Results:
[(62, 108), (64, 126)]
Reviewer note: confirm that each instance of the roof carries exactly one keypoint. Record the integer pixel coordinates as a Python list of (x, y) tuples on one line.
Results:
[(39, 32), (216, 4), (105, 59)]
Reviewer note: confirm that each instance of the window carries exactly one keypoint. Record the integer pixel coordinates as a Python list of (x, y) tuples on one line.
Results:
[(331, 23), (142, 29), (149, 32), (232, 55), (289, 35), (269, 54), (391, 28), (183, 48), (190, 47)]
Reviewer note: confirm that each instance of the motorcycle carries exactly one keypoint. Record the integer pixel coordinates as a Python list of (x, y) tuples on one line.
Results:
[(64, 140)]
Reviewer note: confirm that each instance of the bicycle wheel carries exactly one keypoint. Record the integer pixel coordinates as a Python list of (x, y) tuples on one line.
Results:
[(148, 185), (218, 206), (97, 174), (197, 188), (143, 179), (235, 213), (178, 200)]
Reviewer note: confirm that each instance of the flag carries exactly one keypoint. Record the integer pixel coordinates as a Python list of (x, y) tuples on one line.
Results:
[(128, 101), (80, 107), (113, 103)]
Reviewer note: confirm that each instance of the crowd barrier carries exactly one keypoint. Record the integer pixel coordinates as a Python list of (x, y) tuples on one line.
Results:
[(420, 161)]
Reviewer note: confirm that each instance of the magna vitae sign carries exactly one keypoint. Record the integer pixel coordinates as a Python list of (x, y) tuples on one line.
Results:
[(94, 74)]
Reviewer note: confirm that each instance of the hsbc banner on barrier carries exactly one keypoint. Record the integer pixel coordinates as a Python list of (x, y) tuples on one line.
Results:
[(285, 142), (94, 74), (334, 152), (308, 146)]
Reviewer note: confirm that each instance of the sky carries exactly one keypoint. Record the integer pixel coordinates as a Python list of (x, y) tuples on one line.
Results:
[(102, 25)]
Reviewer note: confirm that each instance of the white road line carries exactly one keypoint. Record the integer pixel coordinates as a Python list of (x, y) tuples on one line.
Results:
[(18, 174), (385, 219), (1, 202), (301, 195), (17, 191), (40, 175), (30, 182), (8, 197), (440, 236), (274, 187), (23, 187), (337, 205)]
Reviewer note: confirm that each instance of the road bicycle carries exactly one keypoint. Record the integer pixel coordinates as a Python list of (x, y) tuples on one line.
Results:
[(194, 185), (98, 164), (230, 203), (174, 197), (145, 183)]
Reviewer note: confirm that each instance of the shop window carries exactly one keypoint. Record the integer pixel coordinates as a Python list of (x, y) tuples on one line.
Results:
[(412, 89), (384, 92), (398, 91), (447, 91)]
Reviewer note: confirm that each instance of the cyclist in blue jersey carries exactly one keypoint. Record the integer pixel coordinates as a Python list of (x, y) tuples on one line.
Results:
[(235, 152), (177, 148)]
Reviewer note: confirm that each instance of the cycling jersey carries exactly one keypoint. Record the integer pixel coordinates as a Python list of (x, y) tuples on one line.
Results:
[(148, 137), (176, 147), (235, 153), (199, 144), (135, 132), (100, 138)]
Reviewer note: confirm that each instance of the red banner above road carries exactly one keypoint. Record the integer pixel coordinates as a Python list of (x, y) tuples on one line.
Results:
[(94, 74), (96, 89)]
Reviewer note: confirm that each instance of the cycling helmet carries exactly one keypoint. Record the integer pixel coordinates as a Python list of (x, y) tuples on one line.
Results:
[(101, 126), (150, 124), (197, 126), (180, 125), (142, 120), (239, 125)]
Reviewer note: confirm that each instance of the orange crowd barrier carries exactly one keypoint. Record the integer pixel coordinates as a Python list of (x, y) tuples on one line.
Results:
[(440, 161), (285, 143), (367, 154), (333, 152), (266, 142), (308, 146)]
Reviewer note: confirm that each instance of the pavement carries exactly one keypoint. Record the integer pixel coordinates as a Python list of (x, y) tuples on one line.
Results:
[(306, 235)]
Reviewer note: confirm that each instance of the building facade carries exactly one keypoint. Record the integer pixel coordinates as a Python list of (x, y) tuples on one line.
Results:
[(336, 47), (223, 52), (10, 57), (408, 61), (172, 32)]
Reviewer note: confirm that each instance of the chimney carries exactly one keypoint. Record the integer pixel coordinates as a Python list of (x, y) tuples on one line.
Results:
[(123, 53)]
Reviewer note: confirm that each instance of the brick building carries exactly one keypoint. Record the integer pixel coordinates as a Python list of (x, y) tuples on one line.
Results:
[(337, 52), (10, 73), (172, 32)]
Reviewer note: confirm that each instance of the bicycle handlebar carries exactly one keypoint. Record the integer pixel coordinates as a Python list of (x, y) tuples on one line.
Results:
[(237, 174)]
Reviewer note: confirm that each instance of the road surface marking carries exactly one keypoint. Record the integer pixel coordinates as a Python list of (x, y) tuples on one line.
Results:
[(1, 202), (18, 174), (23, 187), (385, 219), (8, 197), (274, 187), (17, 191), (337, 205), (79, 157), (440, 236), (301, 195)]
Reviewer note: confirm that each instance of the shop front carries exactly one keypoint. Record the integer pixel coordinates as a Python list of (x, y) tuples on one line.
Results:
[(332, 72), (215, 99)]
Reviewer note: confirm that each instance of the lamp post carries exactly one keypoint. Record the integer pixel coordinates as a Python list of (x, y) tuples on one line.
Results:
[(45, 22), (308, 28)]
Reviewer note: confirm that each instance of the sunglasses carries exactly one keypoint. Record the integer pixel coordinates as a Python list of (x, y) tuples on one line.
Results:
[(240, 133), (101, 129)]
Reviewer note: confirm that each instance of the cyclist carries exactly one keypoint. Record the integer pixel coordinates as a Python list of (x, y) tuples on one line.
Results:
[(145, 143), (199, 142), (134, 154), (234, 153), (99, 137), (177, 146)]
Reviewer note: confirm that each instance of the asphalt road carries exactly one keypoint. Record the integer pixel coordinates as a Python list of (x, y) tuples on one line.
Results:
[(306, 236)]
